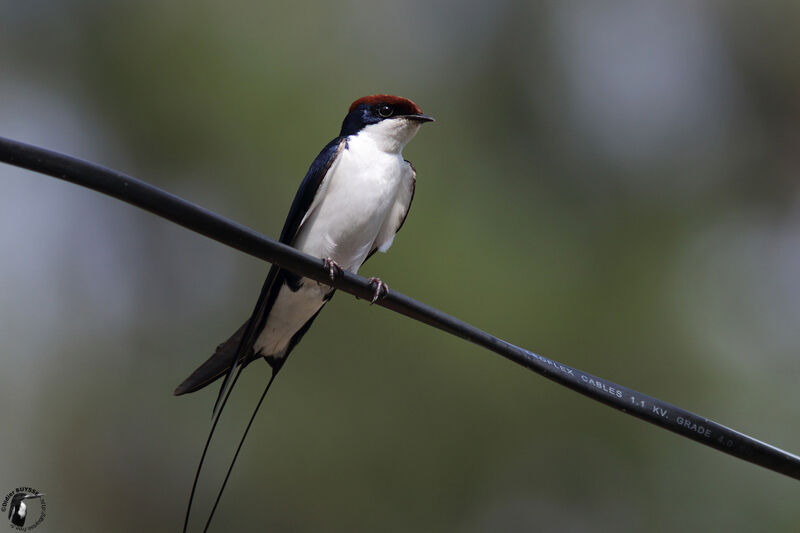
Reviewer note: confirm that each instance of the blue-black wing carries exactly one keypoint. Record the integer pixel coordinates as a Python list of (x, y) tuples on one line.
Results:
[(238, 349)]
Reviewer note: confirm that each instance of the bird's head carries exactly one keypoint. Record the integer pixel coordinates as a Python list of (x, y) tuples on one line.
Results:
[(18, 509), (390, 119)]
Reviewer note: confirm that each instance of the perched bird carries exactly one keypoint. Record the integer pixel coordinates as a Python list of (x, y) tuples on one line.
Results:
[(351, 203)]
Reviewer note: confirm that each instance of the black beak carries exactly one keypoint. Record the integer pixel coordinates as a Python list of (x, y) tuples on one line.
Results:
[(421, 118)]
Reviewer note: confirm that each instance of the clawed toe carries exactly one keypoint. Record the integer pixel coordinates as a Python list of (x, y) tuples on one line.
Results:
[(334, 270), (381, 289)]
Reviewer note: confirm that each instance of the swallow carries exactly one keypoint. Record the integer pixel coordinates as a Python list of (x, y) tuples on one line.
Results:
[(351, 203)]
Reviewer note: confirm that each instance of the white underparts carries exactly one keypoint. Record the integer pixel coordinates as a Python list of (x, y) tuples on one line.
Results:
[(359, 207)]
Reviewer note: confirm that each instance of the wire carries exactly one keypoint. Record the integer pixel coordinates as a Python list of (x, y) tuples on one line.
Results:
[(205, 222)]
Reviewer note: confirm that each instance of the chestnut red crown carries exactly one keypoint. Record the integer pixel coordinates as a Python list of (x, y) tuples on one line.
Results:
[(404, 106)]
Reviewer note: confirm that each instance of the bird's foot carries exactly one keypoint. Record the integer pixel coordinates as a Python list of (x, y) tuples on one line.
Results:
[(381, 289), (334, 270)]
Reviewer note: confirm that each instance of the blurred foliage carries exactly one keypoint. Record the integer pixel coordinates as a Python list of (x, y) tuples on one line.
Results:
[(611, 184)]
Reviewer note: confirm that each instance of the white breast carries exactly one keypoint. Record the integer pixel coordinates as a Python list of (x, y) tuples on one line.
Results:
[(369, 184), (359, 192)]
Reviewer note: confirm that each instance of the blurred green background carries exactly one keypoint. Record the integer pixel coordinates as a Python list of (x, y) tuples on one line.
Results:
[(613, 184)]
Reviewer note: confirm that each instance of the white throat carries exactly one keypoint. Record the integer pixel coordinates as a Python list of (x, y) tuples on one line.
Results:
[(390, 135)]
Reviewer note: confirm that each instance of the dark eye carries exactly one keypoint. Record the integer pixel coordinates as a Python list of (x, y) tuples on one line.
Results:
[(385, 110)]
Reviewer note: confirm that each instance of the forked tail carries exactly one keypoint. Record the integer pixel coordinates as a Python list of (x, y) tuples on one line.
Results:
[(275, 369)]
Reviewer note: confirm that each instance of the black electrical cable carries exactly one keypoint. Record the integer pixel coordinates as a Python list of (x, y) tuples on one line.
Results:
[(214, 226)]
